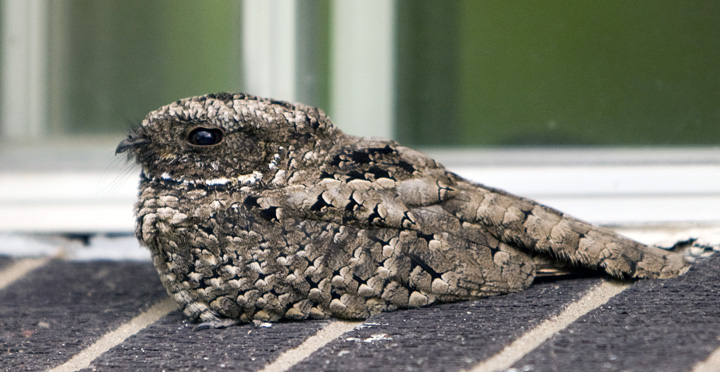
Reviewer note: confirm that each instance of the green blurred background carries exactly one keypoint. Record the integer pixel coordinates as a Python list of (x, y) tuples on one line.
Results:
[(559, 72), (467, 73), (112, 61)]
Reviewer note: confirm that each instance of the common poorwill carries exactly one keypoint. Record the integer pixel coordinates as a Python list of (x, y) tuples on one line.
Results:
[(258, 209)]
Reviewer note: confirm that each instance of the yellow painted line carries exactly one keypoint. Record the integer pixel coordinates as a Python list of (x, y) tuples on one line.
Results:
[(19, 269), (529, 341), (711, 364), (83, 359), (294, 356)]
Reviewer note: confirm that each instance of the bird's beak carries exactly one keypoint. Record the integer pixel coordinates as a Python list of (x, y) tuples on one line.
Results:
[(130, 142)]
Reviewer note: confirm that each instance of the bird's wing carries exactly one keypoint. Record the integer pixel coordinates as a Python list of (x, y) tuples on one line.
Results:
[(370, 183), (386, 202), (532, 226)]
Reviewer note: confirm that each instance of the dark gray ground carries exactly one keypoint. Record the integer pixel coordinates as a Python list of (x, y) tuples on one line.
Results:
[(63, 307), (4, 261), (657, 325)]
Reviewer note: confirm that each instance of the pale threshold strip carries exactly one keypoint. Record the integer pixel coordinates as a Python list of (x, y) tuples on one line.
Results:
[(513, 352), (294, 356), (20, 268), (83, 359), (711, 364)]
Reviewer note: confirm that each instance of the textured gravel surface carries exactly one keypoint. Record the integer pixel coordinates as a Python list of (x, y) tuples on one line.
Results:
[(661, 325), (59, 309), (172, 345), (446, 337)]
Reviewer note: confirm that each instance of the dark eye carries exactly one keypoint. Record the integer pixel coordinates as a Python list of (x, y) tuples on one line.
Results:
[(205, 136)]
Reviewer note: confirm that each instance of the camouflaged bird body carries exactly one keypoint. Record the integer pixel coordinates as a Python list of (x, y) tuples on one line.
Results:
[(311, 223)]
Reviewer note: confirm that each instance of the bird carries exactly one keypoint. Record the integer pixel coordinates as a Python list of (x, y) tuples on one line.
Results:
[(256, 209)]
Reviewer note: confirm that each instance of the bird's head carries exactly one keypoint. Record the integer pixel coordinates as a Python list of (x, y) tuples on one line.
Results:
[(228, 138)]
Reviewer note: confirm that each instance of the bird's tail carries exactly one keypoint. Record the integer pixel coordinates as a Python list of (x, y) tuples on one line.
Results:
[(529, 225)]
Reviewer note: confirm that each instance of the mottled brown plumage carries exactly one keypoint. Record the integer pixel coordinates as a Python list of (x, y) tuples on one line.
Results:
[(256, 209)]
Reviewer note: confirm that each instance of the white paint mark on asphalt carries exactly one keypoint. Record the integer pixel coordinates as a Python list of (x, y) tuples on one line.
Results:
[(526, 343), (711, 364), (83, 359), (20, 268), (294, 356)]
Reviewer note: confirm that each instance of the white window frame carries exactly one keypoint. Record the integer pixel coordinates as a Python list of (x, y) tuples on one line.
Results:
[(23, 69)]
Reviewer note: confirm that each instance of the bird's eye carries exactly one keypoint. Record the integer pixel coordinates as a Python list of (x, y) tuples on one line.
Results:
[(201, 136)]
